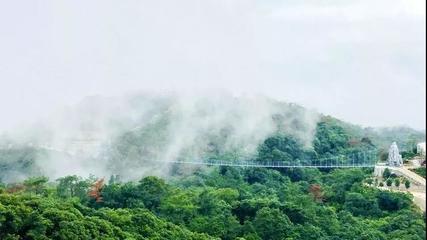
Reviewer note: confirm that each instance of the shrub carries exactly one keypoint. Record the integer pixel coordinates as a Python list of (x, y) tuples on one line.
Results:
[(392, 201), (420, 171), (407, 184), (386, 173), (389, 182), (397, 182), (359, 205)]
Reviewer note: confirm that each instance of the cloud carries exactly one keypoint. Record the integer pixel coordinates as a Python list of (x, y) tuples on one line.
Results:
[(357, 11), (357, 60), (141, 133)]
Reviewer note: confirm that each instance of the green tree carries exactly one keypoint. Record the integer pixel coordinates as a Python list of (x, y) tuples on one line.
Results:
[(152, 191), (359, 205), (386, 173), (407, 184), (35, 217), (114, 179), (36, 185), (126, 195), (179, 207), (389, 182), (405, 225), (272, 224), (397, 182), (280, 148), (330, 138), (72, 186), (340, 181), (392, 201)]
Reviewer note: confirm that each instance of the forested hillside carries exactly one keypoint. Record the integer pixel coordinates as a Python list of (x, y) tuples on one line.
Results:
[(135, 142), (142, 198), (222, 203)]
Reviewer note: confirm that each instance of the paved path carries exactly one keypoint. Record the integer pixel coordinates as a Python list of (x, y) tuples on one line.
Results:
[(419, 194), (420, 199), (402, 171), (418, 188), (413, 176)]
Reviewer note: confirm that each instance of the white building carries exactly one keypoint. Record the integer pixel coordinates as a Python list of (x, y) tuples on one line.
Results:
[(421, 148)]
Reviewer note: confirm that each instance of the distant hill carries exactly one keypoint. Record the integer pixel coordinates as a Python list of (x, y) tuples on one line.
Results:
[(406, 137), (132, 134)]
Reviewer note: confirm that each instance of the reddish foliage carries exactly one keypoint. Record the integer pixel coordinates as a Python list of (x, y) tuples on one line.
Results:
[(353, 142), (95, 190), (316, 191), (15, 188)]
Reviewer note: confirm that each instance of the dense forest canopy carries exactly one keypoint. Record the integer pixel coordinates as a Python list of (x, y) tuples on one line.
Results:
[(202, 202), (213, 203)]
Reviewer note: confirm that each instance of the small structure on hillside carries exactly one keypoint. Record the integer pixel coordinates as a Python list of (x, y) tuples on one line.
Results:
[(421, 149), (394, 158)]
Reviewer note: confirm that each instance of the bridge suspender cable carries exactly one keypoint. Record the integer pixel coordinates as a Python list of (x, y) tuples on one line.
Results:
[(359, 160)]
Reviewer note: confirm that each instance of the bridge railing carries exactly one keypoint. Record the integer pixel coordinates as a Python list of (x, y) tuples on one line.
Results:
[(361, 159)]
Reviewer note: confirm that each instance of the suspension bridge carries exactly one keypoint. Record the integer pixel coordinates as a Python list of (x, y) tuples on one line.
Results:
[(354, 160), (362, 159)]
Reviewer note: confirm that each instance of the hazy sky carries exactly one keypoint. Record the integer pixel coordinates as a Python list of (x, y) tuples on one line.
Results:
[(362, 60)]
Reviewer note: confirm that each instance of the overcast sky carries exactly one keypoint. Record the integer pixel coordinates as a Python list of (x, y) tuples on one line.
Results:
[(362, 61)]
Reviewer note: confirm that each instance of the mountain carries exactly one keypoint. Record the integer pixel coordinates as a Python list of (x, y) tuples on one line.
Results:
[(133, 135)]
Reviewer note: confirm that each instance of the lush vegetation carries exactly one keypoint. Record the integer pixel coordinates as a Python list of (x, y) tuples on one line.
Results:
[(213, 202), (226, 203), (420, 171), (136, 148)]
